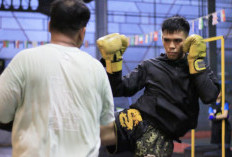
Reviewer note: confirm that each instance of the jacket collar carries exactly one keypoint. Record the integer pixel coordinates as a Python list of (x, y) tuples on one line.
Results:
[(179, 62)]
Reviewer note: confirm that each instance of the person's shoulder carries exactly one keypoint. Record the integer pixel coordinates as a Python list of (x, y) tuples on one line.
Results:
[(25, 52), (33, 49), (90, 58), (151, 61), (87, 55)]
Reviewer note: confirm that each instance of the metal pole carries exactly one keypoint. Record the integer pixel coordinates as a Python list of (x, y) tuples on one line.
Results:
[(101, 20), (212, 33)]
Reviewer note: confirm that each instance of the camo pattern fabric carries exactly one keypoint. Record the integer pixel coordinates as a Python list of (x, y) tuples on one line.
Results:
[(154, 143)]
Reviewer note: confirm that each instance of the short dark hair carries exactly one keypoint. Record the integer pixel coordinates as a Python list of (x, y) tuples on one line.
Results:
[(68, 16), (176, 23)]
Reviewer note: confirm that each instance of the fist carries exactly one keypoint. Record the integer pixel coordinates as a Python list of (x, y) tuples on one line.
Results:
[(109, 45), (196, 47), (112, 47)]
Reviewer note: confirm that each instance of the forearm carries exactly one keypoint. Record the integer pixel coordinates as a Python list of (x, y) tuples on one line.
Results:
[(129, 84), (108, 134), (116, 83), (222, 116), (207, 86)]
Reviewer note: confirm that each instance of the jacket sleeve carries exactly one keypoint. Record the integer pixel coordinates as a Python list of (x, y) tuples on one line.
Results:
[(207, 85), (210, 111), (129, 84)]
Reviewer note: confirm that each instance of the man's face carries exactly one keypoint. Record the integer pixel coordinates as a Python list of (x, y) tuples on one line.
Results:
[(173, 44)]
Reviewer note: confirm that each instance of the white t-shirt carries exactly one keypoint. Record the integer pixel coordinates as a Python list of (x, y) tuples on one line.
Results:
[(58, 97)]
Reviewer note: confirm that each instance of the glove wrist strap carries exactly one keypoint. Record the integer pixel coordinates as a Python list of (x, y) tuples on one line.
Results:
[(196, 66), (112, 67)]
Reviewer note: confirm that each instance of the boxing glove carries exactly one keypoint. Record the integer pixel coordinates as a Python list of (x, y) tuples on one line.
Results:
[(196, 47), (112, 47)]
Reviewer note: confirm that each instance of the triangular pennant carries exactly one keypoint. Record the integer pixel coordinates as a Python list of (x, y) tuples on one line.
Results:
[(34, 43), (200, 24), (140, 39), (5, 44), (215, 18), (128, 39), (86, 43), (132, 41), (155, 36), (41, 43), (146, 38), (16, 44), (25, 44), (223, 15), (136, 40)]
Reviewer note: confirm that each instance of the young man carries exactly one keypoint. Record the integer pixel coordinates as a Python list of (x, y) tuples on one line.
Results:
[(58, 95), (173, 83)]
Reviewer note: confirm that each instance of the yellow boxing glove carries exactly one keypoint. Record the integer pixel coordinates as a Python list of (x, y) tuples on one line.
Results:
[(112, 47), (196, 47)]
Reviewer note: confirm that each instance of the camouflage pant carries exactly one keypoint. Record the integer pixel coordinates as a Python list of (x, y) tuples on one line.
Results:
[(137, 134), (153, 142)]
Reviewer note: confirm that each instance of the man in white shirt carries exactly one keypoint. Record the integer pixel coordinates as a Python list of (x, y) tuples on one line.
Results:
[(57, 95)]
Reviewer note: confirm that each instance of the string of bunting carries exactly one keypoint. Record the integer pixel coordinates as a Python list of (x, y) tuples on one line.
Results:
[(198, 23), (28, 44), (21, 44)]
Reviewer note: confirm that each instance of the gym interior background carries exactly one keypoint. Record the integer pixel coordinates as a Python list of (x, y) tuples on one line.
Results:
[(24, 24)]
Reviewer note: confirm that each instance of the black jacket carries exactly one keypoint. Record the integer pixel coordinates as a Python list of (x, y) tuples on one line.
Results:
[(171, 94)]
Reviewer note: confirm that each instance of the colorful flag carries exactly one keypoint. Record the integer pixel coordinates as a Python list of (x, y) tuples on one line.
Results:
[(128, 39), (136, 40), (86, 43), (215, 19), (146, 38), (25, 44), (200, 24), (155, 36), (34, 43), (223, 15), (140, 39), (41, 43), (132, 41), (5, 43), (16, 44)]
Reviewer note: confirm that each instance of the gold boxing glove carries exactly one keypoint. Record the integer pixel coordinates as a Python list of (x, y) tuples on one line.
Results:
[(112, 47), (196, 47)]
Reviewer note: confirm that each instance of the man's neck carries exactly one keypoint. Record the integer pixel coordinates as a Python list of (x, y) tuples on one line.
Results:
[(61, 39)]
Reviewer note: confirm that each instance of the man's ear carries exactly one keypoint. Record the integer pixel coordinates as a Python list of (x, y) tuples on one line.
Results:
[(80, 36), (82, 33)]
